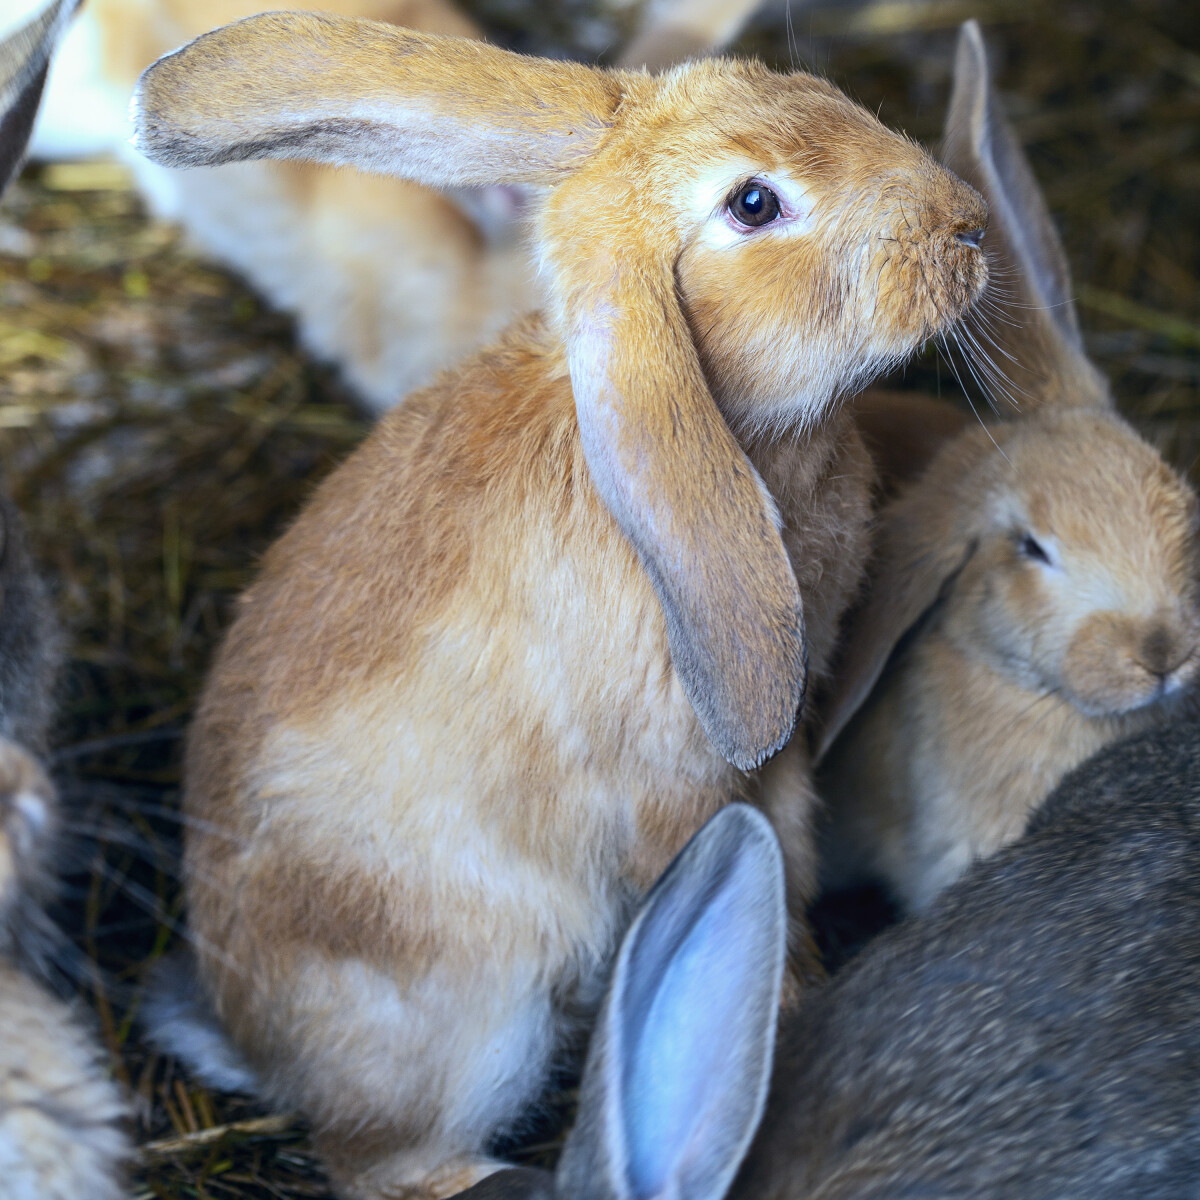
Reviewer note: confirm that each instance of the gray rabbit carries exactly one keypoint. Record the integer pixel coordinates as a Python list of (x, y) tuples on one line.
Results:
[(60, 1114), (1034, 1035)]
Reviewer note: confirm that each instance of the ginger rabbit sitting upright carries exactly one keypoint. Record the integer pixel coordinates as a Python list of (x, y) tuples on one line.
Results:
[(1036, 591), (549, 617)]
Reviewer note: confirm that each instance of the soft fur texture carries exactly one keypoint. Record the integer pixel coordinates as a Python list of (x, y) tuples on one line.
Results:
[(1001, 662), (388, 278), (501, 668)]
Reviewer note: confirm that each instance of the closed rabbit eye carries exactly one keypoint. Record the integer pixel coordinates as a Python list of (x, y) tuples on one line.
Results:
[(753, 204), (1032, 549)]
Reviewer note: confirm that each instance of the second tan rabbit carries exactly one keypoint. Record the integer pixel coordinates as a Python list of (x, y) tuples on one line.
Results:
[(559, 607), (1035, 592)]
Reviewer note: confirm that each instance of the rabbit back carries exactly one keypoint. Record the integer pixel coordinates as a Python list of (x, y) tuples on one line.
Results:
[(1037, 1032)]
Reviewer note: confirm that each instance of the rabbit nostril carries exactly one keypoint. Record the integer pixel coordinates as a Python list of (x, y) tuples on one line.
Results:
[(970, 237)]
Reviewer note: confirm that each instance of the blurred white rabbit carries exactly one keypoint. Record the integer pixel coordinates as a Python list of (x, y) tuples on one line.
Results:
[(389, 279)]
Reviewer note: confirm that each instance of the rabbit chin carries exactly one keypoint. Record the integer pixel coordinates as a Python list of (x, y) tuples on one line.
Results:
[(1152, 699)]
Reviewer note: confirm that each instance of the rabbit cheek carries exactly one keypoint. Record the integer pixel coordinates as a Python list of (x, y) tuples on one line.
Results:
[(776, 365)]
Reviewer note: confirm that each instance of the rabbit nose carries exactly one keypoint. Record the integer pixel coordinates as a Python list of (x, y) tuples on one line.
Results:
[(1162, 656), (970, 237)]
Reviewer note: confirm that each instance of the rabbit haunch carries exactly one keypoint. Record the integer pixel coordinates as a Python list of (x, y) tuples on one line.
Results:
[(521, 645)]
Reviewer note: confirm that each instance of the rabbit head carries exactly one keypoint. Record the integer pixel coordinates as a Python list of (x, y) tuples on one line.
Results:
[(1064, 553), (806, 245), (1058, 545), (677, 1073)]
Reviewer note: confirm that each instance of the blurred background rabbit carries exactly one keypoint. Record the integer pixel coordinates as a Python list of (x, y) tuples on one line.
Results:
[(388, 279), (160, 426)]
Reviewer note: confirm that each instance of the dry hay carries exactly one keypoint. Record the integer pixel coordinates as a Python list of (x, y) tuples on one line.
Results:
[(159, 427)]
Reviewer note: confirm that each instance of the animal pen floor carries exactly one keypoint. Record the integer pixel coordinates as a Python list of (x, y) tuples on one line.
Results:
[(160, 426)]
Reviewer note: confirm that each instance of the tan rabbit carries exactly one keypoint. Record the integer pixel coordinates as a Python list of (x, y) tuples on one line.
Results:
[(1034, 594), (546, 620), (60, 1114), (388, 278)]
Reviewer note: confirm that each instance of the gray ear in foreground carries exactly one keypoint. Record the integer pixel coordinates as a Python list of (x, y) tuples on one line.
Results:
[(1034, 337), (24, 61), (681, 1058)]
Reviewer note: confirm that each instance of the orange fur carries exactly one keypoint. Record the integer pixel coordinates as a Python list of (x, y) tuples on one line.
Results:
[(461, 713)]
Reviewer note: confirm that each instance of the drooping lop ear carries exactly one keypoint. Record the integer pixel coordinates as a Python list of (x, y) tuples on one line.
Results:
[(680, 1060), (925, 539), (1032, 334), (24, 61), (444, 111), (675, 30), (685, 494)]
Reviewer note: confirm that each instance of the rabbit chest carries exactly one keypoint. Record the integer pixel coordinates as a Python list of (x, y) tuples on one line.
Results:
[(447, 716)]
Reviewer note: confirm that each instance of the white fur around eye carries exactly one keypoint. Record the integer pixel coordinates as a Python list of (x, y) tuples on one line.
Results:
[(709, 203)]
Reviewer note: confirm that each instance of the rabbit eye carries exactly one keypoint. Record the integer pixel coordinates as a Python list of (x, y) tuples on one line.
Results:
[(754, 205), (1032, 549)]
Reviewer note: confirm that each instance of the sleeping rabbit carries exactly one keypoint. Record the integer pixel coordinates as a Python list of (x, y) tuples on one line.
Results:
[(561, 606), (1035, 593), (388, 278), (1033, 1036), (60, 1114)]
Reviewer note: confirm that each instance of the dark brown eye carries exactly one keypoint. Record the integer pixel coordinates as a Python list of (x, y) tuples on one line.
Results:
[(1031, 548), (754, 205)]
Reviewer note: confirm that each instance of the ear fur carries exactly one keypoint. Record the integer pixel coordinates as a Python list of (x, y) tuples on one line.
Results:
[(444, 111), (688, 498), (925, 540), (1036, 340), (24, 61), (680, 1061)]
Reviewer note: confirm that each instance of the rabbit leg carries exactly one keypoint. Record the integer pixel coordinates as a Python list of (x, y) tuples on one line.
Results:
[(788, 799), (406, 1082)]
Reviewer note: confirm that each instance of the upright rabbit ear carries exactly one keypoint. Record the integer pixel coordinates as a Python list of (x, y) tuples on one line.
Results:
[(675, 30), (24, 61), (680, 1060), (445, 111), (925, 541), (684, 492), (1034, 338)]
